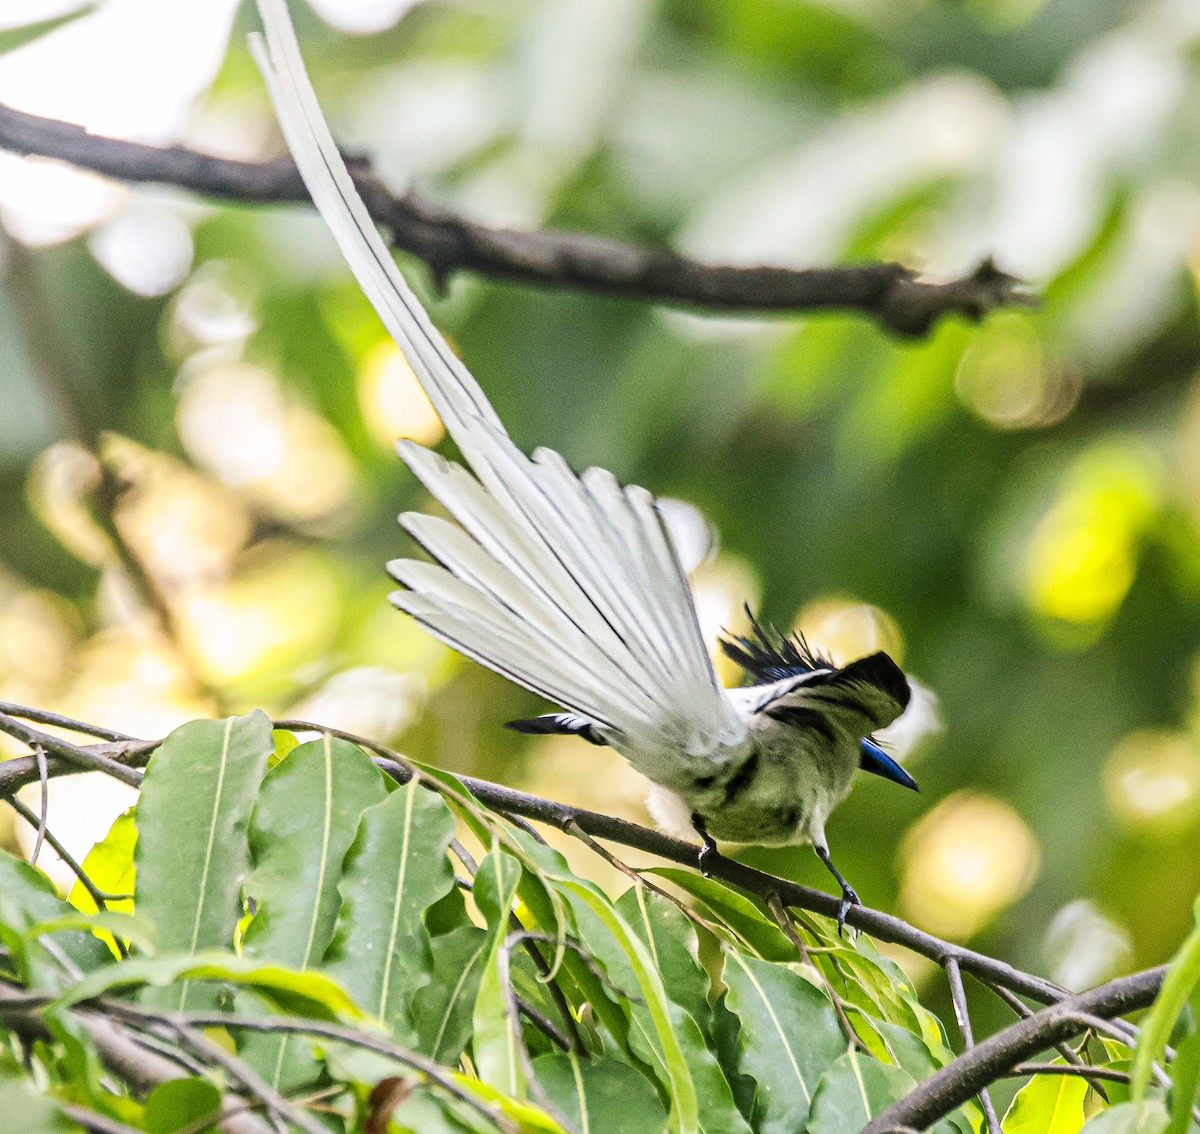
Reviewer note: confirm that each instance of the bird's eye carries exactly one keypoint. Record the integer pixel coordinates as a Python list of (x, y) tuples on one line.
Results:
[(789, 817), (705, 781)]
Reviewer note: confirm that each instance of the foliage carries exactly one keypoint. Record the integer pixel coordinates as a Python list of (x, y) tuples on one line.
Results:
[(500, 995)]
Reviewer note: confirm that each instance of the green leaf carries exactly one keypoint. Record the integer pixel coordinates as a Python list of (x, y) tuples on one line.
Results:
[(1182, 977), (28, 1112), (442, 1010), (854, 1090), (307, 815), (12, 38), (737, 912), (425, 1112), (665, 1024), (1148, 1117), (494, 1047), (789, 1037), (395, 870), (192, 853), (295, 993), (671, 938), (179, 1103), (597, 1095), (28, 901), (109, 864), (1185, 1077), (1047, 1104)]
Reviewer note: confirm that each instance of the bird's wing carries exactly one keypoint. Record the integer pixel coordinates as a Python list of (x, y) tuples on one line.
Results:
[(567, 584)]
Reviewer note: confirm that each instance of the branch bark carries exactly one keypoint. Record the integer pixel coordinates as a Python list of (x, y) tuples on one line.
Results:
[(20, 770), (995, 1057), (890, 293)]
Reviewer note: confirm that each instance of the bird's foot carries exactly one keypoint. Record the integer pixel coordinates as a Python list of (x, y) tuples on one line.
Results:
[(849, 898), (708, 849)]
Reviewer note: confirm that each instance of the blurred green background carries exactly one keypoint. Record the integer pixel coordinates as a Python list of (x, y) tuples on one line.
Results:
[(1012, 508)]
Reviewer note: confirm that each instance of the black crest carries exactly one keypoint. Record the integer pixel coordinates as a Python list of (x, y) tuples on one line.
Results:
[(767, 655)]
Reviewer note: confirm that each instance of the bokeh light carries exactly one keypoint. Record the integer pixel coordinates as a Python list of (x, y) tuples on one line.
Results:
[(146, 249), (181, 525), (278, 611), (237, 420), (965, 861), (60, 482), (1084, 947), (842, 630), (393, 404), (1152, 782), (1008, 378), (1082, 557)]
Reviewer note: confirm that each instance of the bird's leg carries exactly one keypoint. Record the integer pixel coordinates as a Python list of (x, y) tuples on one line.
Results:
[(709, 850), (849, 897)]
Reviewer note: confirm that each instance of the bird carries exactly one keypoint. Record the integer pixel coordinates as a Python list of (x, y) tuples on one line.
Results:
[(570, 584)]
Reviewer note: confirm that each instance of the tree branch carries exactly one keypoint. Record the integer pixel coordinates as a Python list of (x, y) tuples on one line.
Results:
[(995, 1057), (449, 242), (20, 770)]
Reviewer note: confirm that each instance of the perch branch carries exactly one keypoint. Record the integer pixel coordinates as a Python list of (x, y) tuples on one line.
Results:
[(18, 771), (449, 242)]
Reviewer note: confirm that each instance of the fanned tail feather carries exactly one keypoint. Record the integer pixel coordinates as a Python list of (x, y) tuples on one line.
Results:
[(568, 585)]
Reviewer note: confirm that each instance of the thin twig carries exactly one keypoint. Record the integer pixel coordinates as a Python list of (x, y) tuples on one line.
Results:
[(97, 895), (87, 758), (783, 919), (962, 1014), (17, 772), (448, 242), (44, 716), (39, 758), (1084, 1072), (297, 1025)]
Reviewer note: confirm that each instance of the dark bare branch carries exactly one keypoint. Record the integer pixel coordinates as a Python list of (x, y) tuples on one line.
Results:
[(995, 1057), (449, 242)]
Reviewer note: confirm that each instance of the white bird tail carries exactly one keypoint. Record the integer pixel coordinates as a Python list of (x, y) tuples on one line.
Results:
[(568, 585)]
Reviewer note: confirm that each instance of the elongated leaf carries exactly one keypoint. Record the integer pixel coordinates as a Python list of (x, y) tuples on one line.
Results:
[(424, 1112), (28, 1112), (789, 1038), (28, 900), (854, 1090), (109, 864), (1148, 1117), (736, 911), (307, 815), (595, 1096), (1047, 1104), (395, 870), (718, 1112), (671, 938), (304, 994), (1185, 1076), (1182, 977), (13, 38), (442, 1009), (495, 1044), (192, 854), (665, 1025), (179, 1103)]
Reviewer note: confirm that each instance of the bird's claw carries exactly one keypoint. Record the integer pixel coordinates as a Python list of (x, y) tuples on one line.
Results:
[(849, 898), (708, 849)]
